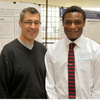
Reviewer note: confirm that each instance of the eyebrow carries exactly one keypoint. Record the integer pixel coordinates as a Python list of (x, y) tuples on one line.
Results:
[(31, 20), (74, 20)]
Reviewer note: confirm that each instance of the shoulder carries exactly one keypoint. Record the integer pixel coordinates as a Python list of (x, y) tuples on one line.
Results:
[(92, 43), (39, 46), (38, 43), (12, 43), (10, 46), (60, 44), (93, 46), (57, 47)]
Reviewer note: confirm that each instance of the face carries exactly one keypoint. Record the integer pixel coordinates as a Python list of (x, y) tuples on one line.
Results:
[(73, 25), (29, 27)]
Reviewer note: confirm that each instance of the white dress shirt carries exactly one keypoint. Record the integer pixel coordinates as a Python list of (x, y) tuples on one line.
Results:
[(87, 69)]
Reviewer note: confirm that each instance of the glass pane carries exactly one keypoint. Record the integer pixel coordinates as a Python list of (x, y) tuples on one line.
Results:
[(49, 30), (57, 14), (53, 24), (57, 25), (49, 13), (53, 19), (53, 8), (49, 24), (49, 8), (53, 13), (49, 18)]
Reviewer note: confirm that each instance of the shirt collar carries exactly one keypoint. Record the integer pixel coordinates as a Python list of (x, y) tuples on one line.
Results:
[(79, 42)]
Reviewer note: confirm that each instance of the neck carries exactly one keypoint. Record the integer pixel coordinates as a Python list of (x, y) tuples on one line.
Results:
[(26, 41)]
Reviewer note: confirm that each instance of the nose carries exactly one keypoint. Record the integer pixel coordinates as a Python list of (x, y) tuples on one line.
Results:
[(73, 26), (32, 25)]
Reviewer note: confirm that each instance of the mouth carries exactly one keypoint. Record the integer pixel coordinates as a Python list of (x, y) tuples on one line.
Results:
[(32, 32), (72, 32)]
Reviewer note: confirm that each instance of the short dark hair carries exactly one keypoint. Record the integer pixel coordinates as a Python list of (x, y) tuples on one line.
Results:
[(74, 9), (31, 10)]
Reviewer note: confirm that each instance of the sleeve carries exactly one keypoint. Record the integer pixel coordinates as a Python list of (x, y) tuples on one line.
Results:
[(96, 76), (5, 75), (50, 82)]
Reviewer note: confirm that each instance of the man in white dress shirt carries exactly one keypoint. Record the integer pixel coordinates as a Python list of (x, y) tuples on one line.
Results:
[(87, 60)]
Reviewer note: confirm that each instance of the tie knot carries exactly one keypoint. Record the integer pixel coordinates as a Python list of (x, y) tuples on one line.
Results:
[(72, 45)]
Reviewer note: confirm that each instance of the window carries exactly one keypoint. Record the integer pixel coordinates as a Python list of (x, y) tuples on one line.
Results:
[(53, 25)]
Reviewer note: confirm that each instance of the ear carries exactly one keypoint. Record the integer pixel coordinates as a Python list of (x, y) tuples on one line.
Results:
[(63, 24), (20, 23), (83, 24)]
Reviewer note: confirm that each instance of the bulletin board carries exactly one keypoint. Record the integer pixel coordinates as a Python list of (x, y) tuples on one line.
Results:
[(9, 18), (92, 27)]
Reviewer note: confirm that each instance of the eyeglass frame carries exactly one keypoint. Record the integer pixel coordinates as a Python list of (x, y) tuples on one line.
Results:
[(30, 23)]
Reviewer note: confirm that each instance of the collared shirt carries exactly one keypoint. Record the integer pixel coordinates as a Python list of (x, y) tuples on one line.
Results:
[(87, 69)]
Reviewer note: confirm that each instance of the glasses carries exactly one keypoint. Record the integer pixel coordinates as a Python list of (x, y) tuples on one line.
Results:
[(29, 23)]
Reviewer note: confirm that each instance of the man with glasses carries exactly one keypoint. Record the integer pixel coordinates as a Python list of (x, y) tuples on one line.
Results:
[(22, 68)]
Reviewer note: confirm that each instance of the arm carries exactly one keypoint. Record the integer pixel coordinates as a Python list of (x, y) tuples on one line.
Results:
[(96, 76), (50, 82), (4, 76)]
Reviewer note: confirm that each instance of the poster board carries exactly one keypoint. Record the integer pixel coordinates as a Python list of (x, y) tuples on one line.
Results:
[(9, 18), (92, 25)]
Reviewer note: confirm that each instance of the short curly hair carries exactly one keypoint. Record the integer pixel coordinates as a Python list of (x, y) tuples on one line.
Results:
[(74, 9)]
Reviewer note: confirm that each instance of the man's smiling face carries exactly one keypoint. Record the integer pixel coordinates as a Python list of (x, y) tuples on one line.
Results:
[(73, 25)]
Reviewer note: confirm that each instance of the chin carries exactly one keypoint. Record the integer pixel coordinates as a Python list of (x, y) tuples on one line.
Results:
[(72, 38)]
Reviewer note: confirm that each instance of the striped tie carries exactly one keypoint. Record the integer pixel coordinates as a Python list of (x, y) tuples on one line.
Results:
[(71, 72)]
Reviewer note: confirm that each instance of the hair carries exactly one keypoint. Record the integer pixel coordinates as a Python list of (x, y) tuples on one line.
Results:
[(31, 10), (74, 9)]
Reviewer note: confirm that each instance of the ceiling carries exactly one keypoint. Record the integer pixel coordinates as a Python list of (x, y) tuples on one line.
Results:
[(64, 3)]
